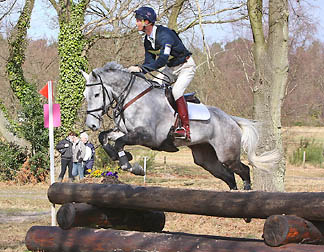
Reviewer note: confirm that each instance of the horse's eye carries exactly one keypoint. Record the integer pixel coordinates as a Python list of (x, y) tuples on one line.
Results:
[(96, 95)]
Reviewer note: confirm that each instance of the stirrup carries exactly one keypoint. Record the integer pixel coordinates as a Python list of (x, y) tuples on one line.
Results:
[(180, 133)]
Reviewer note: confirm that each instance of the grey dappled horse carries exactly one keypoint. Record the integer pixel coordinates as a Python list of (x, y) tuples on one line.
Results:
[(146, 120)]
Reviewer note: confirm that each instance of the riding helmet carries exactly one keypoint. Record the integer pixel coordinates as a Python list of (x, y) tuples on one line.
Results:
[(146, 13)]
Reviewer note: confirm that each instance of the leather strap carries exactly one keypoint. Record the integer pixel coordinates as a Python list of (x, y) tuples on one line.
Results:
[(137, 97)]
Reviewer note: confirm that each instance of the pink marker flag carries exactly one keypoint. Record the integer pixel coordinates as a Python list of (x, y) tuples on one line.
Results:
[(56, 115)]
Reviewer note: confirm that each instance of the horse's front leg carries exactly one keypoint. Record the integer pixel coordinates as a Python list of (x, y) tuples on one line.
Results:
[(137, 137), (112, 135)]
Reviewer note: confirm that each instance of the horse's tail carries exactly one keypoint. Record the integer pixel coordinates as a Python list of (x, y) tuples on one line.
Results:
[(249, 142)]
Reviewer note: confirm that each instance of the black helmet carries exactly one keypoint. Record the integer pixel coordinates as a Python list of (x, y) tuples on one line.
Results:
[(146, 13)]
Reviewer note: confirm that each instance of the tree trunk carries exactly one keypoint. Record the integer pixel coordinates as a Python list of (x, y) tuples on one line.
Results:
[(271, 73), (175, 11), (71, 45)]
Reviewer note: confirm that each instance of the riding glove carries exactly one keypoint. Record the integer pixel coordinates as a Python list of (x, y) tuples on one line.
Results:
[(134, 69)]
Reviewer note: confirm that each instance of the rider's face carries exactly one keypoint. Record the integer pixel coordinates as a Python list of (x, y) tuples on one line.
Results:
[(141, 24)]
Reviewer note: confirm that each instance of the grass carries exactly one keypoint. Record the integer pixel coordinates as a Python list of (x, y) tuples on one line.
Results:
[(170, 170)]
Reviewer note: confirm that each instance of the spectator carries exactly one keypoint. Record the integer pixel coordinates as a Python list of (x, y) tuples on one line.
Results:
[(78, 153), (90, 153), (65, 149)]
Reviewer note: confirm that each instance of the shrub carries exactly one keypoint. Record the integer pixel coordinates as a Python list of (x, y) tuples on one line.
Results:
[(11, 159), (150, 159), (102, 159), (313, 151)]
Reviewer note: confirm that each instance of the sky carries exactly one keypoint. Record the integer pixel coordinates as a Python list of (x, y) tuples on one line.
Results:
[(42, 24)]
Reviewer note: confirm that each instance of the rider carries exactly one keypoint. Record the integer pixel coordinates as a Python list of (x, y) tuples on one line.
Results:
[(164, 48)]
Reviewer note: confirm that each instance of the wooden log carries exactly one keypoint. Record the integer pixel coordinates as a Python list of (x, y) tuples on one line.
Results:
[(283, 229), (42, 238), (84, 215), (252, 204)]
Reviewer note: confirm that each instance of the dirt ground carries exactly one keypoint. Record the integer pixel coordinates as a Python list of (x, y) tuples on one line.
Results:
[(24, 206)]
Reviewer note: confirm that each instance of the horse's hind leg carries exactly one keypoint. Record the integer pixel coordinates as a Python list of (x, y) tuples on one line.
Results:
[(205, 156), (242, 170)]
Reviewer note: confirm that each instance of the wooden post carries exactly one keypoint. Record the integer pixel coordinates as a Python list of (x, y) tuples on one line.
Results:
[(85, 215), (252, 204), (282, 229), (55, 239), (304, 159)]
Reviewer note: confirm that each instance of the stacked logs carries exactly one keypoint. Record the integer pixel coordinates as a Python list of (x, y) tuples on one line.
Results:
[(85, 215), (136, 208)]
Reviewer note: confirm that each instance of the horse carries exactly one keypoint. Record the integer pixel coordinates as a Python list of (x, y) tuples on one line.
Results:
[(143, 116)]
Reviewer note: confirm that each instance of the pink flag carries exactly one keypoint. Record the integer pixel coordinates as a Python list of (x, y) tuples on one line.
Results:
[(56, 115)]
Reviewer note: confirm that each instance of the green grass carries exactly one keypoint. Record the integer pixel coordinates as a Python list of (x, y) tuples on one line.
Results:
[(313, 151)]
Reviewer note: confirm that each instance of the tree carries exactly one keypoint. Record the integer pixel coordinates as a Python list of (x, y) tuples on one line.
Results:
[(30, 124), (71, 44), (271, 73)]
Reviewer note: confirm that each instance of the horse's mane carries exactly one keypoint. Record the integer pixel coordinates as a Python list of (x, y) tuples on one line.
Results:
[(113, 66)]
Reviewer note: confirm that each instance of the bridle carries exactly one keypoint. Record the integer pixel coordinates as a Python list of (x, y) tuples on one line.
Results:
[(103, 108), (119, 101)]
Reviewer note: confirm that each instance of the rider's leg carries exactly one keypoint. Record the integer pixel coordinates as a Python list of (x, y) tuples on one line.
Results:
[(185, 74), (183, 132)]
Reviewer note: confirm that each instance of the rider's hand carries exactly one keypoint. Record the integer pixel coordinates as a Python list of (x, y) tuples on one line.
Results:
[(134, 69)]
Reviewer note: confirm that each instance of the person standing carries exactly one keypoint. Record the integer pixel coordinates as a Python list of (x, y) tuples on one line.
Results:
[(88, 160), (78, 153), (65, 149), (164, 50)]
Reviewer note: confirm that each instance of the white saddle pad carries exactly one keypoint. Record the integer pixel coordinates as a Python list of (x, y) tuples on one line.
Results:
[(198, 111)]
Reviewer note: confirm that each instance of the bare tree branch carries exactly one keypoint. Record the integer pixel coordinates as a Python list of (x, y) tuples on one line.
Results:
[(8, 11)]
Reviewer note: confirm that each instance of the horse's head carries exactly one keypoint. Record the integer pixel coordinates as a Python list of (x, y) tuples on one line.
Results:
[(95, 94), (103, 86)]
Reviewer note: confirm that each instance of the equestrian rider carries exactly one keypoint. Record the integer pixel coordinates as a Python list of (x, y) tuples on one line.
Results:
[(164, 49)]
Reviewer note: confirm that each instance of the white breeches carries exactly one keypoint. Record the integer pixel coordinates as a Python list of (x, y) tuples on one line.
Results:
[(182, 75)]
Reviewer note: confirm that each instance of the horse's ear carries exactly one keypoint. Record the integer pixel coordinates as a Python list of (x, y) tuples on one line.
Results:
[(85, 75)]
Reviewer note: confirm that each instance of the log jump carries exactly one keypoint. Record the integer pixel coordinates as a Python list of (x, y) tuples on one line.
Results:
[(253, 204), (44, 238), (84, 215), (283, 229), (291, 218)]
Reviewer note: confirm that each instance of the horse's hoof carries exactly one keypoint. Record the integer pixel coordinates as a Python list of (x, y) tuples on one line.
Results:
[(137, 170)]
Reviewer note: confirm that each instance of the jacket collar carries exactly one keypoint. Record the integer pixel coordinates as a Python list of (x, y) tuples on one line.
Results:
[(152, 36)]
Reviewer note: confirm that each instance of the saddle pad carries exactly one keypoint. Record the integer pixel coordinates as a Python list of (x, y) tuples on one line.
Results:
[(198, 111)]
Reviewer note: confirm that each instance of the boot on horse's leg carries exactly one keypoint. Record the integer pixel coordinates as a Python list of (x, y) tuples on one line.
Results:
[(184, 131)]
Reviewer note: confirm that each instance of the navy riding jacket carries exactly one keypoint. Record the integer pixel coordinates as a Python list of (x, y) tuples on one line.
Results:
[(169, 50)]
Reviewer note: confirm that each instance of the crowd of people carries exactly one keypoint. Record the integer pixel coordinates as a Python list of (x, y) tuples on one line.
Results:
[(77, 155)]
